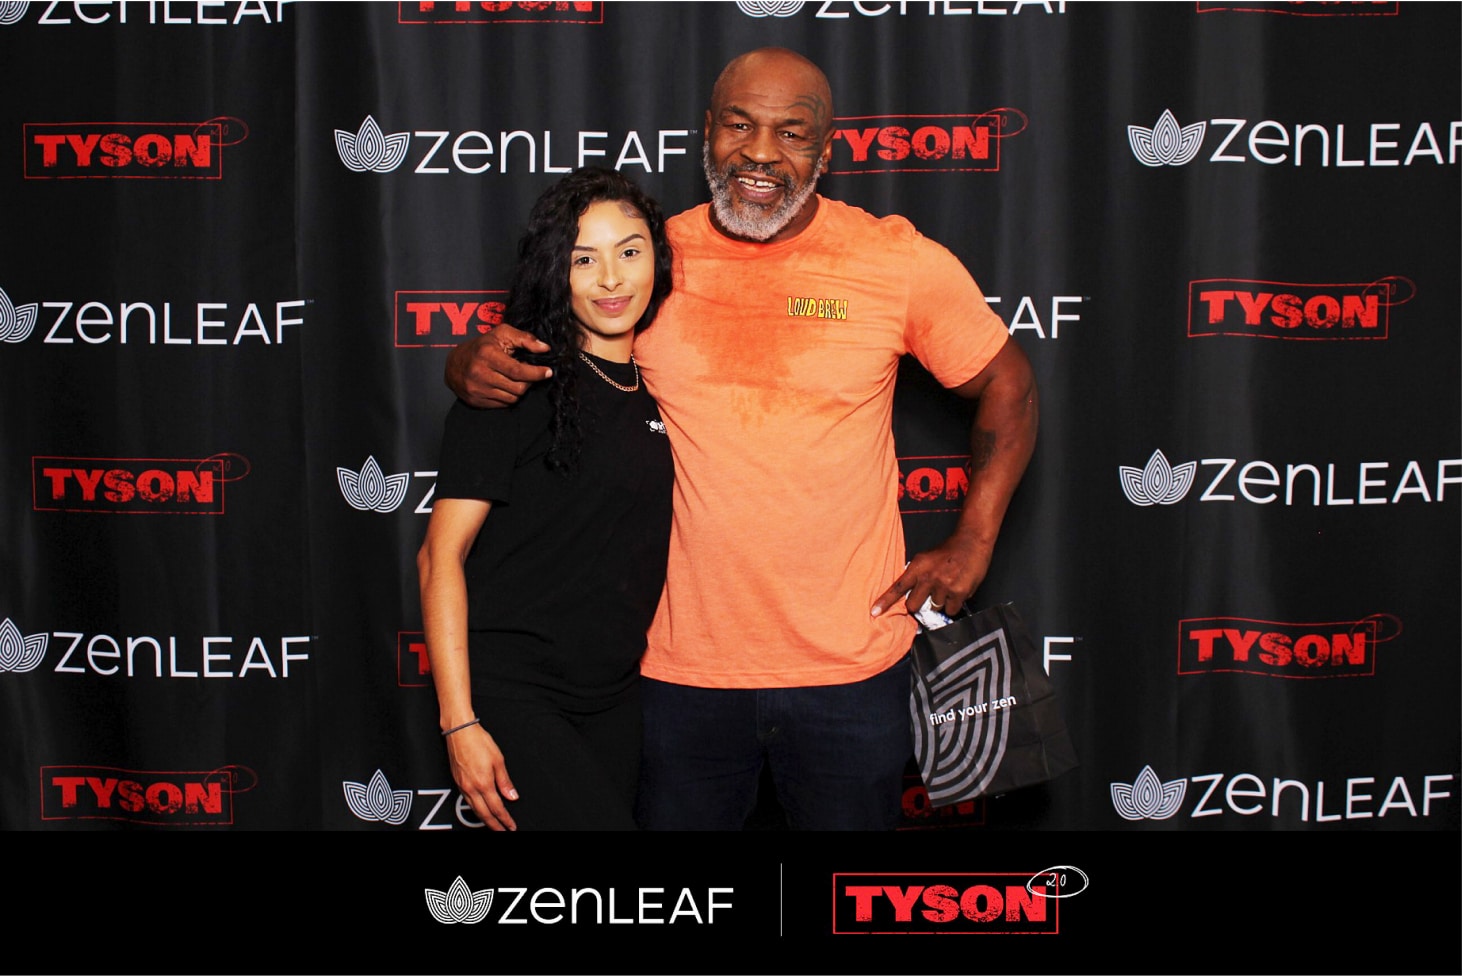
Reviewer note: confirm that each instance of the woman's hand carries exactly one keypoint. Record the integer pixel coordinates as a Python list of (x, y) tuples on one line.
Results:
[(477, 763), (482, 776)]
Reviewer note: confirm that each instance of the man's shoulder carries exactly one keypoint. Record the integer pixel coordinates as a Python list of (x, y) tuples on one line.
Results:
[(854, 231), (892, 234), (686, 222), (841, 213)]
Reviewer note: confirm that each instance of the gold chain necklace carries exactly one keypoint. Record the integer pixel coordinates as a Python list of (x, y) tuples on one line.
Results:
[(602, 376)]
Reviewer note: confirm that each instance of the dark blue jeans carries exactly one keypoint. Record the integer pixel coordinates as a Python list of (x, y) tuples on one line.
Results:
[(836, 753)]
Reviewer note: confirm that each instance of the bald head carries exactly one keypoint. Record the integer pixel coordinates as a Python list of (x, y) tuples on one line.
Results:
[(779, 65), (768, 137)]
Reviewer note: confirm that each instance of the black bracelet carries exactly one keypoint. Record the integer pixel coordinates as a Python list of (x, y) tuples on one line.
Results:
[(459, 728)]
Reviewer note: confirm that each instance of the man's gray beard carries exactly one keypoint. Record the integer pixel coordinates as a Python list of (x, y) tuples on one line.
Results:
[(746, 219)]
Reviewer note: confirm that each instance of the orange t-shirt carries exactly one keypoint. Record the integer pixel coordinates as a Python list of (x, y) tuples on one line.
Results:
[(774, 366)]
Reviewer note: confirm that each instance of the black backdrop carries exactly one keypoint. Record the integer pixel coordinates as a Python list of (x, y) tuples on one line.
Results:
[(1226, 235)]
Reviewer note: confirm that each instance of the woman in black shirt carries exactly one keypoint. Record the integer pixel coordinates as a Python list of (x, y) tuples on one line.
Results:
[(535, 618)]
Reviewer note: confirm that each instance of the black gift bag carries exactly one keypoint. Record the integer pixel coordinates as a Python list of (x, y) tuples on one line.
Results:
[(985, 715)]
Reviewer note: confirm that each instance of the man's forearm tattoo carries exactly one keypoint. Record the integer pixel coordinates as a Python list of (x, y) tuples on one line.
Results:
[(982, 449)]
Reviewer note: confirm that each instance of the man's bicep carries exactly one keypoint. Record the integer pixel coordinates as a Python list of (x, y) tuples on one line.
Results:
[(951, 329), (1009, 368)]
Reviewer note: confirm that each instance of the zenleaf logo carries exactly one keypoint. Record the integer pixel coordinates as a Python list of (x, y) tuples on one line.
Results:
[(150, 322), (82, 13), (1167, 143), (20, 653), (846, 9), (1148, 797), (371, 490), (770, 8), (459, 904), (513, 149), (1158, 483), (1280, 797), (1272, 142), (371, 150), (16, 321), (376, 801)]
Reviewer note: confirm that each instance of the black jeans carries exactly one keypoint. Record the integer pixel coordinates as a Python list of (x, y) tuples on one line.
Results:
[(575, 768)]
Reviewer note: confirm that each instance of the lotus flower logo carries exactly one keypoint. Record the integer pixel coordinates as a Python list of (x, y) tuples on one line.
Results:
[(372, 491), (377, 801), (370, 149), (770, 8), (1166, 143), (1148, 798), (16, 323), (1159, 483), (459, 904), (18, 652), (10, 13)]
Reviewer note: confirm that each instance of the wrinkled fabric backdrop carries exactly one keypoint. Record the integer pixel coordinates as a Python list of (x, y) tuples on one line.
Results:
[(243, 235)]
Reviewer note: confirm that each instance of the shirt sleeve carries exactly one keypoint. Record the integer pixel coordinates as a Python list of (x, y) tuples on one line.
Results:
[(479, 453), (951, 328)]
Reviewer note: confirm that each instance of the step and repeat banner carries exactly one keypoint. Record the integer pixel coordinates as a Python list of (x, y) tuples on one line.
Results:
[(242, 237)]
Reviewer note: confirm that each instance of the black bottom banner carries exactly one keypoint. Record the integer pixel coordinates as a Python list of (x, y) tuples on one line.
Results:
[(1115, 902)]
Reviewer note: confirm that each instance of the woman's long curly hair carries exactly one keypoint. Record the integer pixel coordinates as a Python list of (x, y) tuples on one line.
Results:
[(540, 301)]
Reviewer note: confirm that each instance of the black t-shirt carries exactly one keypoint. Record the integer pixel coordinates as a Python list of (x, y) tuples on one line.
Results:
[(566, 573)]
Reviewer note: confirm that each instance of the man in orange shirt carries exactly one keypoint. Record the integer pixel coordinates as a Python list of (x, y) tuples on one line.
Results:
[(783, 632)]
